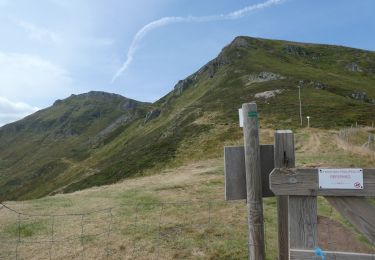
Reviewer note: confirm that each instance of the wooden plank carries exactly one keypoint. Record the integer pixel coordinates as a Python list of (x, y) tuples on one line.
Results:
[(266, 167), (284, 158), (296, 254), (235, 172), (303, 222), (360, 213), (283, 226), (253, 182), (305, 182)]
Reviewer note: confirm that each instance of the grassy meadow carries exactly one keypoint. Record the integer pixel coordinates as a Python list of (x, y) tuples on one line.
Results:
[(173, 212)]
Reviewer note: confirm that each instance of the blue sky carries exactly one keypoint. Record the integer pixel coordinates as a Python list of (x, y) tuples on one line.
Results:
[(50, 49)]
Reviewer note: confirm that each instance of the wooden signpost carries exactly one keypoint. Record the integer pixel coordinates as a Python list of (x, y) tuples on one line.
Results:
[(255, 171), (279, 155), (254, 199), (235, 172), (242, 163)]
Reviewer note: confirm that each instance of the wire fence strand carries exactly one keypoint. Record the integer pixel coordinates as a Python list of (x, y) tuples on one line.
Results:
[(166, 230)]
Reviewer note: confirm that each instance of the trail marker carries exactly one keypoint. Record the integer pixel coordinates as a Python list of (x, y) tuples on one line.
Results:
[(240, 115)]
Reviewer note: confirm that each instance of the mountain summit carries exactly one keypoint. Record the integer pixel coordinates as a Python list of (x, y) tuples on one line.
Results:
[(99, 138)]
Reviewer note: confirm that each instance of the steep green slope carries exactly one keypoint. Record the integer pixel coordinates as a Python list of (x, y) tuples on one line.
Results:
[(200, 115), (36, 152)]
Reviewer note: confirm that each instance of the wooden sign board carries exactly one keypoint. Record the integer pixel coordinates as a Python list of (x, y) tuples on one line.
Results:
[(305, 182), (235, 172)]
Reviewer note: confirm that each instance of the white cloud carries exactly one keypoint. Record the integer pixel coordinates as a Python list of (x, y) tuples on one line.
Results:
[(39, 34), (246, 10), (31, 78), (11, 111), (178, 19)]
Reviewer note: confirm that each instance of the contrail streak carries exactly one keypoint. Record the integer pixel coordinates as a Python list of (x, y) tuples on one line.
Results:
[(178, 19)]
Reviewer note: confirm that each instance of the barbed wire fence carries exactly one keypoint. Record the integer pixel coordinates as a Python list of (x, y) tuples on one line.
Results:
[(128, 231)]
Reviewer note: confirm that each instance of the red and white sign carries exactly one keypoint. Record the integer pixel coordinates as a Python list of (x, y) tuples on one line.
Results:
[(350, 178)]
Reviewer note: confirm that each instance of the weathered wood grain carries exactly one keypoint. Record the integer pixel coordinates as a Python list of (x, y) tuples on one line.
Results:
[(303, 222), (235, 172), (284, 149), (284, 158), (360, 213), (267, 164), (296, 254), (253, 182), (305, 182)]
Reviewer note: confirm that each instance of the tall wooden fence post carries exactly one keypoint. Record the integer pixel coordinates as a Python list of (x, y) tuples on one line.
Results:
[(284, 158), (253, 182), (303, 220)]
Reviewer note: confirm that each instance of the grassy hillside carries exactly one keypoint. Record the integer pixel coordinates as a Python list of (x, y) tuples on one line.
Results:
[(177, 213), (37, 152), (198, 116)]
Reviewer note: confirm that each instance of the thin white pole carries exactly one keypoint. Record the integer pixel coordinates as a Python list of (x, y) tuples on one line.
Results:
[(300, 103)]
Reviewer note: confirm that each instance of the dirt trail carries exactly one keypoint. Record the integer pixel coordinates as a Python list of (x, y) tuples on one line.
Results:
[(312, 146), (314, 143), (333, 236)]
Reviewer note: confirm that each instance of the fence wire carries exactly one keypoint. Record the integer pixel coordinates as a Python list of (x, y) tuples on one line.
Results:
[(176, 230), (128, 231), (358, 136)]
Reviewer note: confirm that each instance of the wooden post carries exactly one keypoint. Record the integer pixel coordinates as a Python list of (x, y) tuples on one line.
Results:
[(302, 211), (253, 182), (284, 158)]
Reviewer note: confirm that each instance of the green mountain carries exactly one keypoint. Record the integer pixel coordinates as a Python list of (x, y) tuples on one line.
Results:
[(37, 152), (98, 138)]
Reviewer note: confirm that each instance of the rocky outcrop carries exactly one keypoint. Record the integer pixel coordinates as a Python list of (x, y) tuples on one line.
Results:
[(312, 83), (362, 96), (353, 67), (122, 120), (268, 94), (152, 115), (216, 64), (210, 68), (299, 51), (359, 95), (182, 85), (261, 77), (240, 42)]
